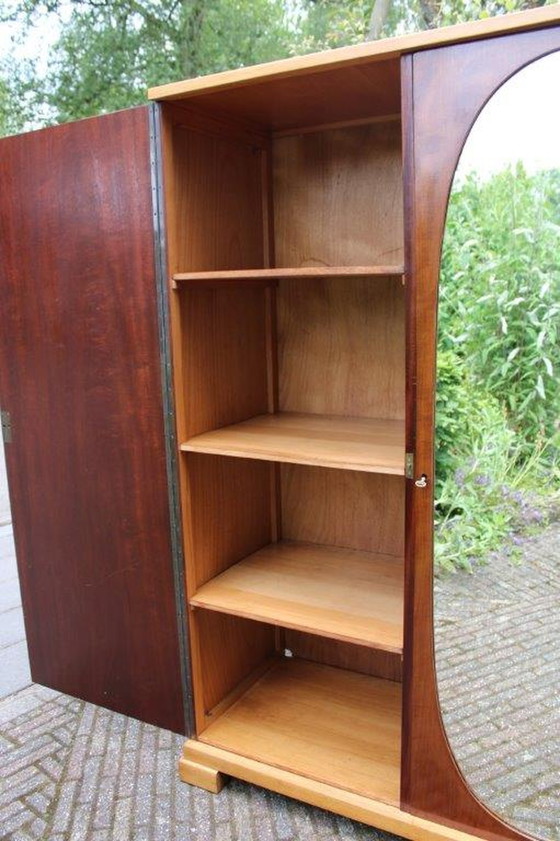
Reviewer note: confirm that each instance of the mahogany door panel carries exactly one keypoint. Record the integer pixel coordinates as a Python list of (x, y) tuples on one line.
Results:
[(444, 89), (80, 378)]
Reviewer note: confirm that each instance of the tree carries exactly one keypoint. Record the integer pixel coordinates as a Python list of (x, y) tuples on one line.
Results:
[(110, 51)]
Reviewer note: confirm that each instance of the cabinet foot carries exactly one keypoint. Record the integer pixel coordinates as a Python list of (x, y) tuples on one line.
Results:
[(201, 776)]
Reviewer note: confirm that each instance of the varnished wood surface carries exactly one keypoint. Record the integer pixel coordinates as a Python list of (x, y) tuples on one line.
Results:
[(344, 508), (80, 376), (201, 776), (326, 724), (375, 446), (384, 816), (217, 212), (432, 783), (218, 90), (223, 337), (341, 347), (338, 197), (215, 180), (301, 273), (285, 105), (230, 513), (228, 651), (344, 655), (339, 593)]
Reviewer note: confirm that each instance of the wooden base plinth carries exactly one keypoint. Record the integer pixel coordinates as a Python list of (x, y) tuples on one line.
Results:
[(201, 764), (201, 776)]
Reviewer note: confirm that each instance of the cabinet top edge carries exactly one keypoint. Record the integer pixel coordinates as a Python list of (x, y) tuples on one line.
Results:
[(383, 49)]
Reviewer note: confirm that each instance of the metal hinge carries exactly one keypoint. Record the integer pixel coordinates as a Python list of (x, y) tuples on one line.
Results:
[(6, 427), (409, 465)]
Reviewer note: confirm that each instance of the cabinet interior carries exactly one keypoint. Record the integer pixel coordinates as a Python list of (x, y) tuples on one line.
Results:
[(286, 258)]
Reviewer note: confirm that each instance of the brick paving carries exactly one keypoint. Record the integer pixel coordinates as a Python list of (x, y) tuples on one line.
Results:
[(14, 660), (498, 658), (71, 771)]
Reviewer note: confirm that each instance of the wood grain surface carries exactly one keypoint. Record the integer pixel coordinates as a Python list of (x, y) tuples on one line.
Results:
[(339, 593), (341, 347), (80, 376), (344, 508), (432, 782), (338, 197), (383, 816), (270, 276), (375, 446), (326, 724)]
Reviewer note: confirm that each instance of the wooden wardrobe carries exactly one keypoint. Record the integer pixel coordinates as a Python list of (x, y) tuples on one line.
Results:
[(280, 483)]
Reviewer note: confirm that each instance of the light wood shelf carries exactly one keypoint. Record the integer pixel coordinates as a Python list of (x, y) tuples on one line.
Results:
[(339, 593), (327, 724), (369, 445), (273, 275)]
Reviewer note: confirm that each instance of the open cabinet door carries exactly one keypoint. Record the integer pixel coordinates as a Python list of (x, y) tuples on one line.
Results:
[(80, 376)]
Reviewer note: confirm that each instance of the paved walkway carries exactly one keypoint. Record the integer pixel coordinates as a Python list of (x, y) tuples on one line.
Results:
[(75, 772), (14, 661), (498, 655)]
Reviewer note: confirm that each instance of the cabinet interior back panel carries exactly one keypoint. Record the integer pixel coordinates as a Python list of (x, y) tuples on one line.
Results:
[(344, 655), (218, 205), (343, 508), (341, 346), (338, 197)]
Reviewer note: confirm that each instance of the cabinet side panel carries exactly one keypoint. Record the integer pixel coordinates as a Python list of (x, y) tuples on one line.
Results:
[(80, 375), (224, 356), (219, 208), (230, 513)]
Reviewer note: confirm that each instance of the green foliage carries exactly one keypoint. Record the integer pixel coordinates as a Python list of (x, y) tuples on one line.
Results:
[(500, 299), (498, 387), (109, 54), (110, 51)]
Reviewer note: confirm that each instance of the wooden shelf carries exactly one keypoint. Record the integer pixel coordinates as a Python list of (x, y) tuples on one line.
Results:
[(339, 593), (273, 275), (331, 725), (370, 445)]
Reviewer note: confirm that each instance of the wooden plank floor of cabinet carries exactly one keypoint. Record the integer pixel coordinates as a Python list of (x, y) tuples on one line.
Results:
[(327, 724)]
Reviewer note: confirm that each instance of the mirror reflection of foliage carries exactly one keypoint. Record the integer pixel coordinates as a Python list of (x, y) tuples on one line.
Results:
[(498, 368)]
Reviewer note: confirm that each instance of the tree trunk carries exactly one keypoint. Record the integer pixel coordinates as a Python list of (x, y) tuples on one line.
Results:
[(378, 19)]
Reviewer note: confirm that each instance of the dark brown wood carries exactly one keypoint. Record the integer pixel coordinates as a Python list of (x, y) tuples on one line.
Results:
[(453, 83), (80, 376)]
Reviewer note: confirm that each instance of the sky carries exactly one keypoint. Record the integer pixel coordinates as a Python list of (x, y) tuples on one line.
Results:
[(520, 122)]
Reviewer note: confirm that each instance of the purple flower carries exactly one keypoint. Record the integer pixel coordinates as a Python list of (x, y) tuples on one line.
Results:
[(482, 480), (460, 477)]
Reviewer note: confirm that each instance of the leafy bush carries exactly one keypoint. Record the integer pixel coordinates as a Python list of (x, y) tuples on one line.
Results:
[(500, 300), (498, 398)]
